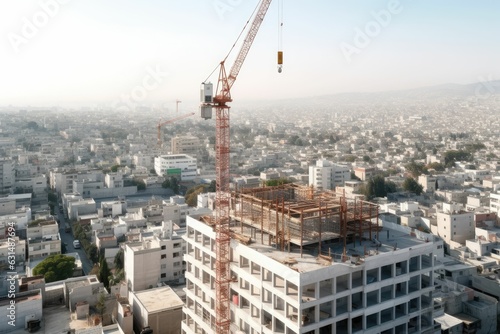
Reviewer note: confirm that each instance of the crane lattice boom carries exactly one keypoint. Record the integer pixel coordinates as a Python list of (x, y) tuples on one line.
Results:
[(222, 148), (160, 124)]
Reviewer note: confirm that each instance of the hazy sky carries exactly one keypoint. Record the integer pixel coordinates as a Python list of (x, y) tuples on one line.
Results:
[(69, 52)]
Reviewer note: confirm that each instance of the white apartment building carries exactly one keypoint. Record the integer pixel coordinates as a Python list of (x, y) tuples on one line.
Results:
[(495, 202), (81, 207), (154, 259), (114, 180), (327, 175), (185, 145), (144, 160), (454, 225), (388, 290), (180, 165), (43, 239), (62, 181), (7, 175)]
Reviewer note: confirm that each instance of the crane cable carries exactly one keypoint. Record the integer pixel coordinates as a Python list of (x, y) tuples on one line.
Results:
[(280, 36), (237, 39)]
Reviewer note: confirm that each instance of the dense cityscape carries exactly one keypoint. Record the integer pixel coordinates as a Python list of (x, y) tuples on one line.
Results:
[(350, 185), (105, 191)]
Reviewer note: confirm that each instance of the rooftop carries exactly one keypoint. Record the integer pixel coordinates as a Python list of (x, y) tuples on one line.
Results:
[(159, 299), (448, 321)]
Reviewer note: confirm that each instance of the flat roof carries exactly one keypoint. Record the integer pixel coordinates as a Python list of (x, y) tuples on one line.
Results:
[(389, 241), (448, 321), (159, 299)]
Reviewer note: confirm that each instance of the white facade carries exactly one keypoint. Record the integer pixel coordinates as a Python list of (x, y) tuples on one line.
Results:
[(185, 145), (495, 203), (81, 207), (176, 165), (153, 260), (454, 224), (388, 292), (114, 180), (43, 240), (327, 175)]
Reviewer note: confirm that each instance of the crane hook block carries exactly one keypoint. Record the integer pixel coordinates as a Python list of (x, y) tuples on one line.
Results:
[(280, 61)]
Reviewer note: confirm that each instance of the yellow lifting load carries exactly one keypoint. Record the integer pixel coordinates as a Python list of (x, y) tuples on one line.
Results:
[(280, 61)]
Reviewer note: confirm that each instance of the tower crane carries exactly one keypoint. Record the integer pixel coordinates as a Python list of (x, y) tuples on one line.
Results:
[(160, 124), (222, 197)]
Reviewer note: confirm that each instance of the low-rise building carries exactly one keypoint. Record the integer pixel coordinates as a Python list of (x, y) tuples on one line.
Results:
[(155, 258), (43, 239), (159, 309), (178, 165)]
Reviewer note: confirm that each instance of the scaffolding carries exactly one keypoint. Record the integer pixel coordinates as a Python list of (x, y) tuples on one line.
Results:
[(291, 214)]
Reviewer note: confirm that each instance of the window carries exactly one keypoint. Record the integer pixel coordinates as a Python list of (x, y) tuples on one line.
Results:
[(176, 254), (177, 264), (164, 256), (163, 275), (163, 266), (163, 247), (177, 244)]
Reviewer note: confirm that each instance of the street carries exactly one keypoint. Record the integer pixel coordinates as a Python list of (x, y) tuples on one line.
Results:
[(67, 239)]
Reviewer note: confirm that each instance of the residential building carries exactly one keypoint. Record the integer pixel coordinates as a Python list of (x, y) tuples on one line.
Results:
[(454, 224), (159, 309), (27, 307), (155, 258), (364, 173), (495, 202), (7, 175), (326, 175), (178, 165), (43, 239), (381, 286), (81, 207), (114, 180), (185, 145)]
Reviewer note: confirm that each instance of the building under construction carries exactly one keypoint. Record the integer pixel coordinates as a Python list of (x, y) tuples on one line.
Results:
[(303, 261)]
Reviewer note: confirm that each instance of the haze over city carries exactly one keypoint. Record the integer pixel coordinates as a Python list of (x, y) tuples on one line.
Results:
[(74, 53), (352, 186)]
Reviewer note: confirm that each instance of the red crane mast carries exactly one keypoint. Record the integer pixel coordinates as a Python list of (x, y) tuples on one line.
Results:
[(223, 196)]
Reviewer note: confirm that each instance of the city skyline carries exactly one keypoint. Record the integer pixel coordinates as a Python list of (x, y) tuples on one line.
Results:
[(74, 54)]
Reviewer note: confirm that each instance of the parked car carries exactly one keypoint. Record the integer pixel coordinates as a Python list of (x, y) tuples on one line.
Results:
[(76, 244)]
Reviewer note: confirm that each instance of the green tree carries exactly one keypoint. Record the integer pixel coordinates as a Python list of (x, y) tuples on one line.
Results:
[(416, 168), (55, 267), (390, 187), (166, 184), (212, 187), (174, 185), (117, 277), (377, 187), (366, 158), (413, 186), (349, 158), (104, 273), (436, 166), (141, 185), (101, 304), (450, 157), (114, 168), (52, 197), (119, 260), (92, 252)]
